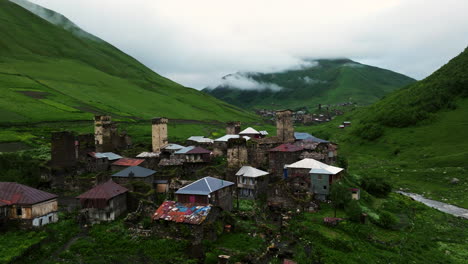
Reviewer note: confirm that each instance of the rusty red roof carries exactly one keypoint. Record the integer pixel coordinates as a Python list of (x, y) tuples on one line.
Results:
[(15, 193), (286, 148), (128, 162), (182, 213), (107, 190), (198, 150), (3, 203)]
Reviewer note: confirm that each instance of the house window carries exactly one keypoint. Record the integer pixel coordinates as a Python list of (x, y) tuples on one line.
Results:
[(108, 215), (324, 187), (19, 211)]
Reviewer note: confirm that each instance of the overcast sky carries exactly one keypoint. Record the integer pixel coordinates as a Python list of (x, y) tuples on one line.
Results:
[(197, 42)]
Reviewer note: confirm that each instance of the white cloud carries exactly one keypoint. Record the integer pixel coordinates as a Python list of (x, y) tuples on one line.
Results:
[(244, 82), (198, 42)]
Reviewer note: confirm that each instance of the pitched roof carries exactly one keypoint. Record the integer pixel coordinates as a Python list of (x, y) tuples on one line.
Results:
[(106, 191), (308, 137), (128, 162), (2, 203), (263, 132), (15, 193), (148, 155), (249, 171), (286, 148), (200, 139), (225, 138), (204, 186), (182, 213), (184, 150), (108, 155), (315, 166), (173, 146), (138, 172), (198, 150), (249, 131)]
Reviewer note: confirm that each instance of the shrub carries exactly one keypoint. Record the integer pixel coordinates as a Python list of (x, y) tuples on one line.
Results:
[(387, 220), (368, 131), (377, 186), (353, 211)]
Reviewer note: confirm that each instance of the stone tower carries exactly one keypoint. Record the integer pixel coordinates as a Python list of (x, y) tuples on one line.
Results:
[(63, 151), (233, 128), (103, 131), (237, 154), (159, 133), (284, 126)]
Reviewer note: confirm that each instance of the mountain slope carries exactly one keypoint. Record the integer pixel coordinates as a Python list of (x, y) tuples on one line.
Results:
[(321, 82), (58, 72), (415, 136)]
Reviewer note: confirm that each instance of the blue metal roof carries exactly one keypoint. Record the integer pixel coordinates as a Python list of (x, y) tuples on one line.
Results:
[(204, 186), (139, 172), (184, 150), (309, 137)]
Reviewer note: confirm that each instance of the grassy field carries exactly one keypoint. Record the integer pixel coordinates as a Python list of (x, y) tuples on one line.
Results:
[(50, 74)]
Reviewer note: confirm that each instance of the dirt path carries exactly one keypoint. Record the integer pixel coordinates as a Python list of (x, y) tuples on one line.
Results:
[(66, 246)]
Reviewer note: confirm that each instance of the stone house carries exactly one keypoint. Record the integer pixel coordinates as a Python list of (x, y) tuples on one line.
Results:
[(105, 202), (233, 128), (250, 132), (30, 206), (282, 155), (126, 162), (193, 154), (220, 144), (251, 182), (237, 154), (134, 173), (309, 175), (200, 141), (100, 161), (207, 190)]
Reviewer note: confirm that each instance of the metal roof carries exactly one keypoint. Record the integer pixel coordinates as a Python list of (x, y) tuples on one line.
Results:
[(128, 162), (225, 138), (198, 150), (308, 137), (249, 131), (315, 166), (286, 148), (15, 193), (138, 172), (182, 213), (184, 150), (173, 147), (249, 171), (148, 155), (108, 155), (200, 139), (106, 191), (204, 186), (263, 132)]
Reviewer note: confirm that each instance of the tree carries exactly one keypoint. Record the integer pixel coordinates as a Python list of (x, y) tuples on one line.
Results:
[(339, 195)]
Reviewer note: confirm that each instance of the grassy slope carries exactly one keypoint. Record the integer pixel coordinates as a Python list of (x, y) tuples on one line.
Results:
[(427, 148), (78, 76), (336, 81)]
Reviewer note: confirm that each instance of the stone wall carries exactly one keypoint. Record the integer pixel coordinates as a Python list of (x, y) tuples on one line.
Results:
[(63, 153), (159, 133)]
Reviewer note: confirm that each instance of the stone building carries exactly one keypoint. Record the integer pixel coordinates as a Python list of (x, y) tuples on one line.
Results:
[(251, 133), (220, 144), (237, 155), (233, 128), (107, 137), (159, 133), (98, 161), (105, 202), (192, 154), (63, 150), (3, 214), (29, 206), (282, 155), (207, 190), (134, 173), (251, 182), (84, 145), (284, 126)]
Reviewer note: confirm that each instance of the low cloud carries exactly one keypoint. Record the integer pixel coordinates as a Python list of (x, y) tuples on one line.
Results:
[(245, 82)]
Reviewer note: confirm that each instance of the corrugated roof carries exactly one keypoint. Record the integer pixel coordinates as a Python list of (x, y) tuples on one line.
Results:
[(198, 150), (204, 186), (106, 191), (249, 131), (109, 155), (182, 213), (286, 148), (128, 162), (15, 193), (137, 171), (184, 150), (315, 166), (148, 155), (200, 139), (308, 137), (249, 171), (173, 147), (263, 132), (225, 138)]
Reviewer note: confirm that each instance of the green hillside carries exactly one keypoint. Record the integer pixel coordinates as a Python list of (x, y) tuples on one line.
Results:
[(416, 136), (57, 72), (322, 82)]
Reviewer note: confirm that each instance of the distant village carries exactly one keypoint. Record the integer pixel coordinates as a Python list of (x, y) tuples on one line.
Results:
[(290, 171)]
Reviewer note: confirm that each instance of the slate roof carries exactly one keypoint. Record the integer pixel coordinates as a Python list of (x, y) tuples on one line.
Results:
[(249, 131), (173, 147), (225, 138), (286, 148), (138, 172), (315, 166), (308, 137), (182, 213), (109, 155), (249, 171), (128, 162), (15, 193), (106, 191), (204, 186)]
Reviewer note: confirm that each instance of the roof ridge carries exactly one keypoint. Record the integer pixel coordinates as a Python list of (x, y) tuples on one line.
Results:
[(209, 187)]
